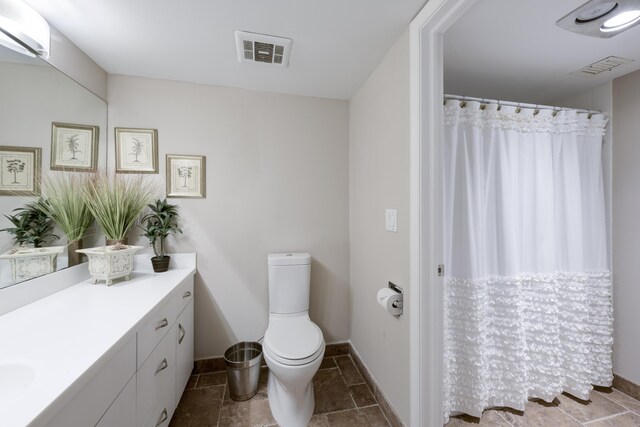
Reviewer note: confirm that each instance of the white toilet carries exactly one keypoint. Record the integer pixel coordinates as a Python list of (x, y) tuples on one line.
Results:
[(293, 345)]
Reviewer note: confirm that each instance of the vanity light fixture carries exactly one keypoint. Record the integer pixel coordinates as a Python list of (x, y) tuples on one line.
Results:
[(23, 29), (602, 18)]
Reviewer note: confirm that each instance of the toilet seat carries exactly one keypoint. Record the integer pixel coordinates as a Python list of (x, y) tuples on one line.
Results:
[(293, 340)]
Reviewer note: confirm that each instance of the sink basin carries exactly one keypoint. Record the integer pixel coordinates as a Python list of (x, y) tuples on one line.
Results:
[(15, 379)]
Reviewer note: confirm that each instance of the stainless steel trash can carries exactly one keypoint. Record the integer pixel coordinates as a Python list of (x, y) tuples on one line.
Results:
[(243, 369)]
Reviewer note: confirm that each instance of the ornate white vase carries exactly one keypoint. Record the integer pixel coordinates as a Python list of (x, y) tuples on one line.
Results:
[(108, 263), (27, 263)]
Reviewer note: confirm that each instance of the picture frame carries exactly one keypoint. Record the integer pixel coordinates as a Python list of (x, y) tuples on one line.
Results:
[(20, 171), (186, 176), (74, 147), (136, 150)]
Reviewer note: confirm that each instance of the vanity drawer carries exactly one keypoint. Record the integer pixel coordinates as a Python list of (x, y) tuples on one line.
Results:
[(155, 373), (185, 293), (150, 334), (162, 411)]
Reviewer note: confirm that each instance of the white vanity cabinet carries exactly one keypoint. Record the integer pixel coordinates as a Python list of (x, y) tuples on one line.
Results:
[(126, 371)]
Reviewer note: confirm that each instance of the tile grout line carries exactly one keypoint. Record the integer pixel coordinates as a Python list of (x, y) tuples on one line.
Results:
[(224, 392), (502, 417), (568, 414), (619, 403), (605, 418)]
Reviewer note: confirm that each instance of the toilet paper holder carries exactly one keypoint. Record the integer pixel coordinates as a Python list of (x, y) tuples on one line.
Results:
[(398, 289)]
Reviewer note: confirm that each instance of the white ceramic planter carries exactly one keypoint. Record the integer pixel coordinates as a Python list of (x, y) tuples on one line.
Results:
[(27, 263), (107, 263)]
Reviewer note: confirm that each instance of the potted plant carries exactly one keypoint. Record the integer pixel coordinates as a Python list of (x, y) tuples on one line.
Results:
[(67, 208), (116, 202), (32, 228), (158, 225)]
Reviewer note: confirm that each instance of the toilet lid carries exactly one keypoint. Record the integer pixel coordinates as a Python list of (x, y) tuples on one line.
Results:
[(293, 339)]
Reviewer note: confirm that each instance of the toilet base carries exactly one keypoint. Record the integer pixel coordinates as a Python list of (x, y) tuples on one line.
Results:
[(290, 408)]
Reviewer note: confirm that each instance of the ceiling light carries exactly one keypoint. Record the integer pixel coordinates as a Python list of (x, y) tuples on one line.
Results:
[(602, 18), (621, 20), (596, 11), (22, 29)]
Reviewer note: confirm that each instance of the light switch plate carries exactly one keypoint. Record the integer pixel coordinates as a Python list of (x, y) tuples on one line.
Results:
[(391, 223)]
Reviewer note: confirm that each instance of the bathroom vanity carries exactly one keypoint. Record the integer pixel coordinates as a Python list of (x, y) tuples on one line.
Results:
[(110, 356)]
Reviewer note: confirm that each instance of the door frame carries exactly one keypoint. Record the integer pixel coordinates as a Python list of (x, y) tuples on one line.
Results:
[(426, 249)]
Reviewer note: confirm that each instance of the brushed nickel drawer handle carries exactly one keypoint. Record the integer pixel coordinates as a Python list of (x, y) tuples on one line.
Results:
[(163, 417), (162, 367), (183, 333), (186, 294), (164, 323)]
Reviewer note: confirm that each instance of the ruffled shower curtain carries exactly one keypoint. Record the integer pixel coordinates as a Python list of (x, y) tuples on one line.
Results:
[(527, 295)]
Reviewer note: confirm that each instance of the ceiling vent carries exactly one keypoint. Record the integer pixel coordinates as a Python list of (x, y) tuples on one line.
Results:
[(606, 64), (253, 47)]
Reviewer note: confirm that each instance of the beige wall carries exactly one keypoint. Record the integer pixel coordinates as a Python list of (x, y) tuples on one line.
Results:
[(277, 180), (626, 231), (72, 61), (378, 180)]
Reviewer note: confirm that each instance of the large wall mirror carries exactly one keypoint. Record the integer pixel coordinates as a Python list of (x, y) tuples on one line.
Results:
[(48, 122)]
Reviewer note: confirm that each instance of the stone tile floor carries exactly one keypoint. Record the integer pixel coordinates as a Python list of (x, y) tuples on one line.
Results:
[(342, 399), (606, 408)]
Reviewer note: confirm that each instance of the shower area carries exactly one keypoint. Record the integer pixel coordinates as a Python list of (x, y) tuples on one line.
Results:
[(528, 289), (528, 293)]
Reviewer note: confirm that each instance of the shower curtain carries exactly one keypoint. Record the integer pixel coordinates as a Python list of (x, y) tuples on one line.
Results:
[(527, 297)]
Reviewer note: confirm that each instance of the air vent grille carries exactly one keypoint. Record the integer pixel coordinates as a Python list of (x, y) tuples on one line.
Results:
[(606, 64), (263, 48)]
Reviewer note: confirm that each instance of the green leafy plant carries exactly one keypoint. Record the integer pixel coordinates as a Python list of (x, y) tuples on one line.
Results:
[(32, 225), (65, 203), (117, 201), (159, 224)]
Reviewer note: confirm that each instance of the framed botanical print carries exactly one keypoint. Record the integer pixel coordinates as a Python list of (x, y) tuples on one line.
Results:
[(74, 147), (136, 150), (20, 169), (186, 176)]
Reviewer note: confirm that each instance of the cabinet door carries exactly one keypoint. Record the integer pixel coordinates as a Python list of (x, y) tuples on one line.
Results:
[(184, 357)]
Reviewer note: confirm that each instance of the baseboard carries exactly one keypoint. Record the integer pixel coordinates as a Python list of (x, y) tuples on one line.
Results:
[(379, 395), (627, 387)]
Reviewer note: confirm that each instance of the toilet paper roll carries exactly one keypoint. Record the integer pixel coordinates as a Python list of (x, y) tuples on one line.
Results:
[(386, 297)]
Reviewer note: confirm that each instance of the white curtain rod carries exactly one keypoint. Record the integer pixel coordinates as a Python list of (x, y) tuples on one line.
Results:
[(518, 104)]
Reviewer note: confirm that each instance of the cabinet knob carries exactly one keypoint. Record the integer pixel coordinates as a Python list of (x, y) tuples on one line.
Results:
[(186, 294), (163, 323), (183, 332), (163, 417), (162, 367)]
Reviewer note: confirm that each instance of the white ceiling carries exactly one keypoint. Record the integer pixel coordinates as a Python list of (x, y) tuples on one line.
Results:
[(513, 50), (336, 43)]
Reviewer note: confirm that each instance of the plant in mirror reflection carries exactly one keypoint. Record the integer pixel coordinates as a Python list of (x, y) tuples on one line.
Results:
[(65, 203), (32, 225)]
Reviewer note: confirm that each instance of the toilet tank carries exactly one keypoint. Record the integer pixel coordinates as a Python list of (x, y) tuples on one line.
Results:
[(289, 278)]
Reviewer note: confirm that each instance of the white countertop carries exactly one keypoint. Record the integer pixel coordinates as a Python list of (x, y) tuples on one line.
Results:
[(69, 335)]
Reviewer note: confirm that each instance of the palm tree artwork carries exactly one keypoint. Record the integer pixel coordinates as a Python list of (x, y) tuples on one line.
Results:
[(136, 149), (185, 173), (73, 146), (15, 166)]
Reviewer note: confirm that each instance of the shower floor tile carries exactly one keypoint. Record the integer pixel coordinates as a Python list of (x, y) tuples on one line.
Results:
[(606, 408), (342, 399)]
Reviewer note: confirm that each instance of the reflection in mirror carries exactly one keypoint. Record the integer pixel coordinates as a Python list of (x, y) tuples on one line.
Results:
[(46, 125)]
